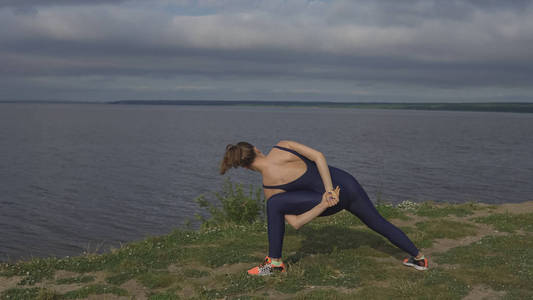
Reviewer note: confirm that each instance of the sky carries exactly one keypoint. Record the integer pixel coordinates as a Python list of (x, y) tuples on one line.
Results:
[(272, 50)]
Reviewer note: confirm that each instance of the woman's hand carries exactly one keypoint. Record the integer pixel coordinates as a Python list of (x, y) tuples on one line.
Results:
[(331, 198)]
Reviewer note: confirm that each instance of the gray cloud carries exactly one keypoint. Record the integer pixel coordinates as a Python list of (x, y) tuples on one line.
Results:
[(27, 3), (460, 49)]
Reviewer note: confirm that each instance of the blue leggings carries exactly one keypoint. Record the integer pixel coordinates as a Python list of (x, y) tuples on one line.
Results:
[(352, 198)]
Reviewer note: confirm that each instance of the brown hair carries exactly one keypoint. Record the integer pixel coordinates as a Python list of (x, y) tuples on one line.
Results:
[(240, 155)]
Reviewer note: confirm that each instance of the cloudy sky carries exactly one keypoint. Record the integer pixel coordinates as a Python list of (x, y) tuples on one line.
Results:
[(303, 50)]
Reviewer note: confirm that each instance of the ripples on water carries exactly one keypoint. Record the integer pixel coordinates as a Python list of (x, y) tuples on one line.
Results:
[(78, 177)]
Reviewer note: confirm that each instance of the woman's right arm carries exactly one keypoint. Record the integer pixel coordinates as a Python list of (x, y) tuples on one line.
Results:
[(297, 221)]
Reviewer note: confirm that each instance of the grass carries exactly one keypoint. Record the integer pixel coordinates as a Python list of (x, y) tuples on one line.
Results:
[(164, 296), (94, 289), (29, 294), (335, 257), (509, 222), (430, 209), (502, 262), (193, 273), (426, 232), (158, 279)]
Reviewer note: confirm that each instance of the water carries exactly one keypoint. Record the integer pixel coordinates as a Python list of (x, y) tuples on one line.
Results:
[(77, 177)]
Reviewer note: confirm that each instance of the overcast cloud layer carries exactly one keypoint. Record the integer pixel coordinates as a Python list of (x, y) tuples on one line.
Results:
[(365, 50)]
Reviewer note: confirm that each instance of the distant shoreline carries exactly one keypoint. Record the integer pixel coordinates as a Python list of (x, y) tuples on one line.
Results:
[(516, 107)]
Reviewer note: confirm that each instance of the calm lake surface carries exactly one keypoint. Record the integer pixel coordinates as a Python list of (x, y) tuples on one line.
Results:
[(76, 177)]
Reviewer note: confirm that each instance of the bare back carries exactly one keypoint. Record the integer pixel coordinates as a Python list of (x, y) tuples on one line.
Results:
[(284, 167)]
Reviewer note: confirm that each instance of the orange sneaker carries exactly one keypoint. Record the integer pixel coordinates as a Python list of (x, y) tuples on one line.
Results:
[(419, 264), (267, 268)]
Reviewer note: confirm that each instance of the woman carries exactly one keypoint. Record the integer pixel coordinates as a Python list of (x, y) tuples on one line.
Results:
[(299, 187)]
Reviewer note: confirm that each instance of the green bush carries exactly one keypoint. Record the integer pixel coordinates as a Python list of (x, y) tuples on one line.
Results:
[(234, 206)]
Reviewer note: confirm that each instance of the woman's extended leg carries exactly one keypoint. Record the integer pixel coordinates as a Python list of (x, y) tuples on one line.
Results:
[(292, 203), (360, 205)]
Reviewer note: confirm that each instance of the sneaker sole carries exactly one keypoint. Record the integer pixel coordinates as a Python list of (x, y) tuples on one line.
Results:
[(269, 274), (420, 268)]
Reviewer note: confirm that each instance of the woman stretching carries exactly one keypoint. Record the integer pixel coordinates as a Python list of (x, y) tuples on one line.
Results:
[(300, 188)]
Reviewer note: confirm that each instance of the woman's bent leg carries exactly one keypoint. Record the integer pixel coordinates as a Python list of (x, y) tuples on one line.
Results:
[(293, 203), (360, 205)]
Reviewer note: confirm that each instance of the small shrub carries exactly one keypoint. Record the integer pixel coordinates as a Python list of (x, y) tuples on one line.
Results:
[(234, 206)]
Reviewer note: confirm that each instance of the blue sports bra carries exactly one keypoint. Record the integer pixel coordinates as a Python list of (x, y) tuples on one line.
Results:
[(295, 184)]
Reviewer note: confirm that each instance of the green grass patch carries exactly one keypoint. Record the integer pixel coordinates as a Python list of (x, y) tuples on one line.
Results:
[(94, 289), (439, 229), (342, 218), (120, 278), (78, 279), (346, 269), (227, 253), (169, 294), (164, 296), (508, 222), (193, 273), (345, 218), (389, 211), (417, 236), (432, 210), (132, 259), (340, 268), (326, 239), (20, 293), (227, 244), (157, 279), (503, 263), (424, 233), (32, 271), (433, 284), (325, 294), (231, 285), (29, 294)]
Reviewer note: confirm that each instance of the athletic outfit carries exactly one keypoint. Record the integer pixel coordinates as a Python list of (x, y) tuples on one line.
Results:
[(306, 192)]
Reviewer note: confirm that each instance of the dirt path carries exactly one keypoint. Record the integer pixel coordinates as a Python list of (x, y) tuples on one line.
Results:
[(484, 292)]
